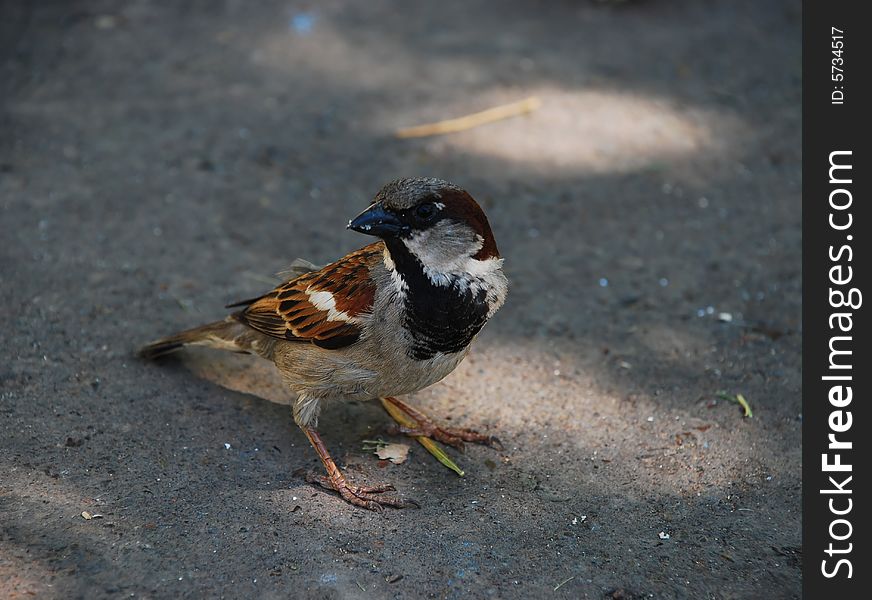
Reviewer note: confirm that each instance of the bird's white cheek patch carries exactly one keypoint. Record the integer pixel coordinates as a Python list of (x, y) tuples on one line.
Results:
[(483, 268), (396, 278), (325, 302)]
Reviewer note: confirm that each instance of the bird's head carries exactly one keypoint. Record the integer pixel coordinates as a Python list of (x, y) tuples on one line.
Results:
[(438, 222)]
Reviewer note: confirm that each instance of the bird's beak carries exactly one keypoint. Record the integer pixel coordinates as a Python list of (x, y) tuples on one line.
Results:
[(377, 221)]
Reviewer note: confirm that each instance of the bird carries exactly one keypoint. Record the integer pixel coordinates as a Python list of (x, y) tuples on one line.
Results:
[(386, 320)]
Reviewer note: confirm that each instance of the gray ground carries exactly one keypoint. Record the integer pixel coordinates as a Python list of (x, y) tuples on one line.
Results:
[(158, 160)]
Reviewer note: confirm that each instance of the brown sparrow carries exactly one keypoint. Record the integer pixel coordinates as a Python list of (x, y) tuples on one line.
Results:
[(391, 318)]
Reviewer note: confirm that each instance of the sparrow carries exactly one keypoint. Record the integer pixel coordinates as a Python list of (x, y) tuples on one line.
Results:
[(389, 319)]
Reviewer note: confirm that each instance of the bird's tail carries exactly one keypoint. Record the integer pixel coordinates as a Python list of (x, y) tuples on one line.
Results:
[(229, 334)]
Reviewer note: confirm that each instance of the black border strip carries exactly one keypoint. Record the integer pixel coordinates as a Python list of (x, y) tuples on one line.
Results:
[(830, 126)]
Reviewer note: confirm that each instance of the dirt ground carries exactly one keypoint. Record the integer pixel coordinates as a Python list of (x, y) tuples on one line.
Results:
[(158, 160)]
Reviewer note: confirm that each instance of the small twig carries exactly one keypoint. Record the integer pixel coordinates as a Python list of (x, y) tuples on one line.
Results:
[(490, 115), (558, 586), (362, 589)]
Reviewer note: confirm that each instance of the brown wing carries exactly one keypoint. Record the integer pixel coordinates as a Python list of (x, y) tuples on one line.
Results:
[(326, 307)]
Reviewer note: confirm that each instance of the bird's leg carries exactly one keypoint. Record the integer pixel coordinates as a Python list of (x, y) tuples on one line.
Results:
[(334, 480), (427, 428)]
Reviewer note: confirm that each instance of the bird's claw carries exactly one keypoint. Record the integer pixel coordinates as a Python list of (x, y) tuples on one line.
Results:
[(359, 495), (451, 436)]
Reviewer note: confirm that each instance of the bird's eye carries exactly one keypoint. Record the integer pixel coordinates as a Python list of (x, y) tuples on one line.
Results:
[(425, 211)]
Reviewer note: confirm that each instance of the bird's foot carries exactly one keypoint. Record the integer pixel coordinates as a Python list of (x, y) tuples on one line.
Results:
[(359, 495), (451, 436), (425, 427)]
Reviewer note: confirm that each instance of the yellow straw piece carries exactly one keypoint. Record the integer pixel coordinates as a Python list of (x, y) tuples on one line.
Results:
[(740, 400), (744, 403), (490, 115), (432, 447)]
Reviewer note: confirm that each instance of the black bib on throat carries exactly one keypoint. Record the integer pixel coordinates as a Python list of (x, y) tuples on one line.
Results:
[(441, 318)]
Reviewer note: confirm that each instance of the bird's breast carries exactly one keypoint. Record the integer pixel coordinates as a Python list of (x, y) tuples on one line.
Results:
[(443, 319)]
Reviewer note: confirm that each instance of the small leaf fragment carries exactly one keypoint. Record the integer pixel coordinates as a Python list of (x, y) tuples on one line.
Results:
[(396, 453)]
